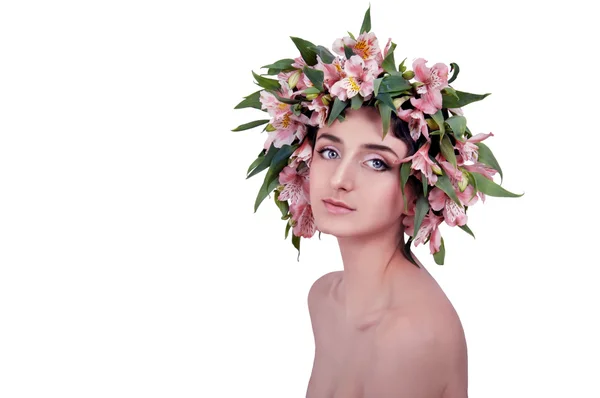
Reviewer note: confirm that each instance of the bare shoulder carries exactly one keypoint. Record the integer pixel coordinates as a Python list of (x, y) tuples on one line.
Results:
[(425, 341), (321, 288)]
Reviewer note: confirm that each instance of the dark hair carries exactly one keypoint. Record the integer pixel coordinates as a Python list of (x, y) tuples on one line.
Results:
[(400, 129)]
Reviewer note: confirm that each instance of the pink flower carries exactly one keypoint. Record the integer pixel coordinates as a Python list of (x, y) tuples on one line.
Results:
[(454, 214), (416, 122), (486, 171), (468, 150), (428, 228), (303, 153), (365, 46), (304, 220), (321, 111), (288, 127), (296, 185), (455, 174), (332, 72), (271, 104), (359, 79), (422, 162), (435, 79)]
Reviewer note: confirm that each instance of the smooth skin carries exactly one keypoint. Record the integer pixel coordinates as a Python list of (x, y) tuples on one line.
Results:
[(383, 327)]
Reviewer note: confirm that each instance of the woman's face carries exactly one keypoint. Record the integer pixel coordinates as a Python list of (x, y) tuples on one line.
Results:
[(348, 166)]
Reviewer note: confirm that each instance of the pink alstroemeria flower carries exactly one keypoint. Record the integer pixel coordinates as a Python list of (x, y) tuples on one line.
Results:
[(296, 185), (485, 170), (321, 111), (429, 228), (422, 162), (359, 79), (333, 72), (303, 216), (303, 153), (288, 127), (468, 150), (455, 174), (272, 105), (416, 122), (454, 214), (435, 79), (365, 46)]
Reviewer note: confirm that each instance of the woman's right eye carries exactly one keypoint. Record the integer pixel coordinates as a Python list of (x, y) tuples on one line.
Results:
[(326, 149)]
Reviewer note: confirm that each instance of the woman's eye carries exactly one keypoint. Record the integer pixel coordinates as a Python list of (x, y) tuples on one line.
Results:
[(379, 164), (327, 150)]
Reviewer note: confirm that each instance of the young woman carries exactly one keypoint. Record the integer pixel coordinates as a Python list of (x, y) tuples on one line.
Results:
[(382, 327)]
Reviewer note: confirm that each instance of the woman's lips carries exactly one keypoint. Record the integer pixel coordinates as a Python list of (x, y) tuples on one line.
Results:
[(336, 209)]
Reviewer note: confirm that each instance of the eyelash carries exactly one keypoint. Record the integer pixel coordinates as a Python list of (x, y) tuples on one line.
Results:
[(385, 166)]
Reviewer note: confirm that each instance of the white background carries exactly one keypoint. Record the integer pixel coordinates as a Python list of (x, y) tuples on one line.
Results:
[(132, 263)]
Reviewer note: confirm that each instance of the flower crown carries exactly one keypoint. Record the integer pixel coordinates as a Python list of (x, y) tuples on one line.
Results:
[(452, 166)]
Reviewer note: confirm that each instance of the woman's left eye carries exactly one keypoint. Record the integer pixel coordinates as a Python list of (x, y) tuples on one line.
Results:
[(383, 166)]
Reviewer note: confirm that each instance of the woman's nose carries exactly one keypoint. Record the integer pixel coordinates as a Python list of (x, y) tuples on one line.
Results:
[(343, 176)]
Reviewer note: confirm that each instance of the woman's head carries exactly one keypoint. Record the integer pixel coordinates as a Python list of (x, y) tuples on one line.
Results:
[(350, 163)]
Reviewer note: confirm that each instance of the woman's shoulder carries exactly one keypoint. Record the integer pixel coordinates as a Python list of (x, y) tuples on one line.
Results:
[(321, 288)]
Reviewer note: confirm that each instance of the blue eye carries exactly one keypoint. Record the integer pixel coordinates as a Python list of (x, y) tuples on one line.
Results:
[(381, 166)]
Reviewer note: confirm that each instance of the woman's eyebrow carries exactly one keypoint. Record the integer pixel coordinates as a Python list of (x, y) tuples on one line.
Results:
[(366, 146)]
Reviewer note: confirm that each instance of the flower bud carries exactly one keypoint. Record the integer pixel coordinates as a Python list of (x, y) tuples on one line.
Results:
[(462, 184), (270, 128), (436, 169), (293, 79), (402, 67), (326, 99), (311, 97), (409, 74), (432, 124), (399, 101)]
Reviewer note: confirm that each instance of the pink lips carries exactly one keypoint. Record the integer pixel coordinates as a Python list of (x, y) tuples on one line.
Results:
[(336, 209)]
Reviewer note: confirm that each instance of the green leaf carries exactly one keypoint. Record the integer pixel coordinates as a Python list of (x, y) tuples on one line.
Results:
[(458, 124), (250, 125), (283, 205), (307, 50), (288, 101), (269, 184), (258, 161), (287, 229), (336, 109), (348, 51), (376, 85), (326, 55), (448, 150), (315, 76), (393, 83), (449, 101), (251, 101), (439, 119), (453, 67), (366, 25), (490, 188), (467, 230), (389, 65), (443, 183), (356, 101), (425, 183), (404, 174), (421, 210), (385, 112), (387, 99), (486, 156), (265, 162), (439, 256), (264, 82), (283, 65), (296, 243)]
